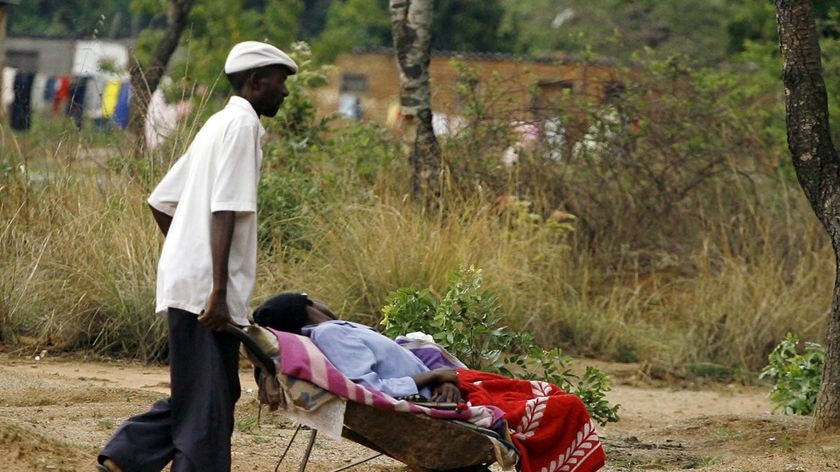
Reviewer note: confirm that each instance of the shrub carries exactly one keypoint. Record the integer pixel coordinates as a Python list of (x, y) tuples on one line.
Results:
[(467, 322), (796, 375)]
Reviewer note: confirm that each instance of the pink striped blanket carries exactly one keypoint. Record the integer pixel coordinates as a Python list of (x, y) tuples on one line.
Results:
[(301, 359)]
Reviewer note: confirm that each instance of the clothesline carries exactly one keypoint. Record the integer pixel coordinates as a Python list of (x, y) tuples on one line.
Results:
[(27, 95)]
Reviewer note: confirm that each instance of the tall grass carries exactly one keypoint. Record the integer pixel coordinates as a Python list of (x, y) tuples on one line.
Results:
[(717, 309), (78, 255), (81, 268)]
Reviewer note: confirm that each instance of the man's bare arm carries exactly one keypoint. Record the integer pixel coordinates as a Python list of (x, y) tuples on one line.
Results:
[(216, 314), (162, 219)]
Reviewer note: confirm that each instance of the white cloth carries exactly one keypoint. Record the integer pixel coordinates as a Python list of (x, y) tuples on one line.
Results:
[(219, 172), (528, 134), (445, 125), (38, 87), (440, 124), (93, 96), (349, 106), (420, 336), (162, 118), (252, 54), (8, 97), (328, 418)]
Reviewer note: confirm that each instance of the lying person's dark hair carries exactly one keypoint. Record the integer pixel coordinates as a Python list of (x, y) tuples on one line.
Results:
[(284, 312)]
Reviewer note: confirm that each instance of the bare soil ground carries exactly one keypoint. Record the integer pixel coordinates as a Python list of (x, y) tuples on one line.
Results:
[(55, 414)]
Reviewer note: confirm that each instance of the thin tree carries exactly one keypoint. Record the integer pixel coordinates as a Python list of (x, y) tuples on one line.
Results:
[(2, 46), (411, 24), (817, 167), (146, 77)]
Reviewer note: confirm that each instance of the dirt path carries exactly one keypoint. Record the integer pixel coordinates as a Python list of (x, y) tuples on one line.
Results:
[(55, 414)]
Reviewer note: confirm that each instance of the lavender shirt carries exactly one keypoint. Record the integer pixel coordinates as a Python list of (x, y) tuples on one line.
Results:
[(367, 357)]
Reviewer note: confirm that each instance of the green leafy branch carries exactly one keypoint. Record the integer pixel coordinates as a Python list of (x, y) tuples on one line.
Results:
[(468, 322), (796, 375)]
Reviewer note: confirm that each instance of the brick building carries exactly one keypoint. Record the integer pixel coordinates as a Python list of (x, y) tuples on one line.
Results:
[(367, 84)]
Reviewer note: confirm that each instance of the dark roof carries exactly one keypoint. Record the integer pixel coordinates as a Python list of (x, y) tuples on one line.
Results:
[(559, 58)]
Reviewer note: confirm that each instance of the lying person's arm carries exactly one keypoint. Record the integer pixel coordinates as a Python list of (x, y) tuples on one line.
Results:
[(444, 383)]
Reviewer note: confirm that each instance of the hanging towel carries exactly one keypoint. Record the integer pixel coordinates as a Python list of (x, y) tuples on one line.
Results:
[(49, 89), (76, 104), (62, 93), (22, 106), (93, 97), (110, 95), (123, 103), (8, 88), (38, 87)]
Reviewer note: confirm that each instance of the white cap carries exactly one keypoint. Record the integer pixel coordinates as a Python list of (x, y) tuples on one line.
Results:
[(252, 54)]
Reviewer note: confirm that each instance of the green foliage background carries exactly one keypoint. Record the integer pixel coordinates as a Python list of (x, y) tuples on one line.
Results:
[(707, 31)]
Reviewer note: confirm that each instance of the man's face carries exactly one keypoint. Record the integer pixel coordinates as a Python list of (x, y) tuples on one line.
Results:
[(270, 91)]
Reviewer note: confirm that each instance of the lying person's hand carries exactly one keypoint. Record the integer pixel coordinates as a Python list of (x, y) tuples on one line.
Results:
[(443, 382), (445, 374), (446, 392)]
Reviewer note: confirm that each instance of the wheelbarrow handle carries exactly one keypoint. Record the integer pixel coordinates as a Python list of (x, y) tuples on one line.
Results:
[(261, 356)]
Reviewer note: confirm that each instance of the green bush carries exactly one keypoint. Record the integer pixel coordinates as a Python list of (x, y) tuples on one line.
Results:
[(796, 375), (467, 322)]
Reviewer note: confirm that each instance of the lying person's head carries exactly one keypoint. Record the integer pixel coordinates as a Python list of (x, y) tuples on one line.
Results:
[(290, 312)]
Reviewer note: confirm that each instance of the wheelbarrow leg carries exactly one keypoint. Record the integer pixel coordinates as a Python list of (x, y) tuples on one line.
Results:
[(306, 454), (358, 462)]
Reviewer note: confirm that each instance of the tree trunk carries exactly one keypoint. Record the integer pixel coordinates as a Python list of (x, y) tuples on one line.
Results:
[(817, 167), (411, 23), (2, 52), (145, 78)]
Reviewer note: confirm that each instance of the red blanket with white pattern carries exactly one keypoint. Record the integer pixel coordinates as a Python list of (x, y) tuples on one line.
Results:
[(551, 428)]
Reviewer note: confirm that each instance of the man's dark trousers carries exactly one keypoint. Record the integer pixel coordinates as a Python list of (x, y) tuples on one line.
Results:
[(192, 427)]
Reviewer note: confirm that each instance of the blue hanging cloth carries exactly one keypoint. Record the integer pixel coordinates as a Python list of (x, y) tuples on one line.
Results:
[(76, 104), (121, 112)]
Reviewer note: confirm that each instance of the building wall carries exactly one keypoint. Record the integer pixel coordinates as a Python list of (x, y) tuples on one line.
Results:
[(88, 54), (63, 56), (513, 79), (46, 56)]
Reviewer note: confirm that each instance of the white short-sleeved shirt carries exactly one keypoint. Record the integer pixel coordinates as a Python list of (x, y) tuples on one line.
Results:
[(219, 172)]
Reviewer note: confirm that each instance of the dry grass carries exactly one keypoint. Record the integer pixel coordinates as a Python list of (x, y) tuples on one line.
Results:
[(79, 258), (716, 310)]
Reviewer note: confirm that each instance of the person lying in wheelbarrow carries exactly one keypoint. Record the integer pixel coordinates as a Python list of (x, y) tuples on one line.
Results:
[(551, 428)]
